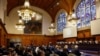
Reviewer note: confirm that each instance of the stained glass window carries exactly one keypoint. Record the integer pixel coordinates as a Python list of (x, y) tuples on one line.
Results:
[(86, 11), (61, 22)]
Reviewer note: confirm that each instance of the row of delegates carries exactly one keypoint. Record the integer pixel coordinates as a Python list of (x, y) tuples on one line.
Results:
[(57, 50), (43, 50)]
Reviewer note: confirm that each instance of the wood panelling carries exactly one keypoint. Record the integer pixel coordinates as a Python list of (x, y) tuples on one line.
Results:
[(71, 39), (84, 33), (80, 35), (0, 36), (66, 39), (35, 39), (3, 34), (98, 38), (42, 39)]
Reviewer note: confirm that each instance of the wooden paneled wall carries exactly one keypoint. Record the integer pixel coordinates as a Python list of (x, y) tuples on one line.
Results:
[(35, 39), (83, 34), (98, 37), (3, 34), (70, 40), (87, 34), (42, 39)]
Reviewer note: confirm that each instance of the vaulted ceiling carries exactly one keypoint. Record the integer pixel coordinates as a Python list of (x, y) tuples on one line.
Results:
[(50, 6)]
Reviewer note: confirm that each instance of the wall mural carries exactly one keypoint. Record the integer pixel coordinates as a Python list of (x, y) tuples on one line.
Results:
[(33, 26)]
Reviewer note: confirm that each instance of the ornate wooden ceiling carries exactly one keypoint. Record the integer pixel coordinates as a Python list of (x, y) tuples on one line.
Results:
[(51, 6)]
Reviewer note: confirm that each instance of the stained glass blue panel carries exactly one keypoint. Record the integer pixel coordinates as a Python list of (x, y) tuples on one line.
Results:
[(85, 12), (77, 14), (82, 4), (61, 22), (82, 21), (87, 3), (92, 2), (87, 16), (93, 11), (79, 23)]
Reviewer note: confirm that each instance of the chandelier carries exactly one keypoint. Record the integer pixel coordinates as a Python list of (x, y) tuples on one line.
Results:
[(72, 18), (52, 28), (20, 25), (26, 12)]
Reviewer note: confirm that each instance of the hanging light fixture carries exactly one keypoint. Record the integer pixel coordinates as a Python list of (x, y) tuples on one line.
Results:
[(26, 12), (52, 28), (20, 25), (72, 18)]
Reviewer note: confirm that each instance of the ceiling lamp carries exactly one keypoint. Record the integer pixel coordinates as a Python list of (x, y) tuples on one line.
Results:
[(72, 18), (20, 25), (52, 28), (26, 12)]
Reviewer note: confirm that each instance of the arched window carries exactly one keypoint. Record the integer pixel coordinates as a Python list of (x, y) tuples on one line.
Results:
[(85, 12), (61, 22)]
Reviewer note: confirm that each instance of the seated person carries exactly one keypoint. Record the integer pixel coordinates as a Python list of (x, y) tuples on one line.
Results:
[(76, 51)]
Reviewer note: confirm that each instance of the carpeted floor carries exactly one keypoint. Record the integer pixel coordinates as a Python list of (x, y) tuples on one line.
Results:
[(89, 53), (86, 54)]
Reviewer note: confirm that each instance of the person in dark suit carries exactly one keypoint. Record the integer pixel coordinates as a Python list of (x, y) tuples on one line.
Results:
[(76, 51)]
